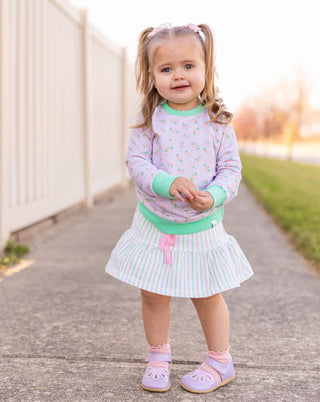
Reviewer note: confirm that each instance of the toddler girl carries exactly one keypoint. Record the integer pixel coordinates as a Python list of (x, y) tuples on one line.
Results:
[(183, 157)]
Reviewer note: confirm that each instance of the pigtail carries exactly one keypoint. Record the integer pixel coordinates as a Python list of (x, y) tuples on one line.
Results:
[(145, 87), (209, 96), (142, 63), (209, 60)]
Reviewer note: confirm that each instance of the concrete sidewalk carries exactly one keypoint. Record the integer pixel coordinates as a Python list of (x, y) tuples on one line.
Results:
[(69, 332)]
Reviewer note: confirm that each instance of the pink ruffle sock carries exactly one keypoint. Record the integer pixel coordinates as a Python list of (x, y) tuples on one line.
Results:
[(163, 348), (221, 357)]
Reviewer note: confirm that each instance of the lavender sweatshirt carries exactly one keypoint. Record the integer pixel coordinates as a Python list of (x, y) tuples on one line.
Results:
[(184, 143)]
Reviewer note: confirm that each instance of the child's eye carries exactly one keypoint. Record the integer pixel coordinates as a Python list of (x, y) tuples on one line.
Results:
[(188, 66), (166, 70)]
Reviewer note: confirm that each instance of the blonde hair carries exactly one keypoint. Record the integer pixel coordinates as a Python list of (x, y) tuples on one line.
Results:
[(151, 98)]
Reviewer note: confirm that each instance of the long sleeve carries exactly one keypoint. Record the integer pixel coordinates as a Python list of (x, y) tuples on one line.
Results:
[(139, 159), (228, 166), (141, 167)]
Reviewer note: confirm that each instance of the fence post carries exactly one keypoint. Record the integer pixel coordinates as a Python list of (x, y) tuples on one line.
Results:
[(87, 107), (5, 114)]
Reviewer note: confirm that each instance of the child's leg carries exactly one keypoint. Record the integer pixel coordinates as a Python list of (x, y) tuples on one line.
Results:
[(217, 369), (156, 313), (214, 317)]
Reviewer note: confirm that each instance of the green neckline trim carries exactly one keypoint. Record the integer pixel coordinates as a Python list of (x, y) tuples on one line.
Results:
[(175, 112)]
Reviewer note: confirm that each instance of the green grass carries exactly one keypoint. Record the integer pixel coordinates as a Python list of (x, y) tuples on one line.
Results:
[(291, 193), (12, 254)]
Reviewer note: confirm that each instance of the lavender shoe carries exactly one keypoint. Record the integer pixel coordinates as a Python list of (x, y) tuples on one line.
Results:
[(200, 381), (157, 378)]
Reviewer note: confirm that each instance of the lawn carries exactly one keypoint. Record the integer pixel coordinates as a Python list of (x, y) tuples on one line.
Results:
[(291, 193)]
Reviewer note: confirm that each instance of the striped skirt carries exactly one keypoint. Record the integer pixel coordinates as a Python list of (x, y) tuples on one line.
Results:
[(192, 265)]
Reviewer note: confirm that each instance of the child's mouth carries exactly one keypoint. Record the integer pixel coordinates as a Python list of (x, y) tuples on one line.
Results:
[(181, 88)]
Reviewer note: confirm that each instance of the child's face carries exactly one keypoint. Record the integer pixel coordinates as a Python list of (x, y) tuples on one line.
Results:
[(178, 71)]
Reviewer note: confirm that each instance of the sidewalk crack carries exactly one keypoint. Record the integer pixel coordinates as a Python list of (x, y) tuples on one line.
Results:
[(175, 362)]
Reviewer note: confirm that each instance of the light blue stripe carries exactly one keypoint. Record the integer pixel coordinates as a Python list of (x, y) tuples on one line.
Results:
[(137, 260)]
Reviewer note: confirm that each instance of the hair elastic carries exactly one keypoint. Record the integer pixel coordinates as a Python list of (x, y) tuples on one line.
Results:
[(158, 29), (190, 26), (196, 29)]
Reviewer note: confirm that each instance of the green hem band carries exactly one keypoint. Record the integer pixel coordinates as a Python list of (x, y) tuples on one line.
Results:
[(175, 228)]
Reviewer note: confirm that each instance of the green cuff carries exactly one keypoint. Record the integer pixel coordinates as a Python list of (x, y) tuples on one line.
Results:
[(161, 184), (218, 194)]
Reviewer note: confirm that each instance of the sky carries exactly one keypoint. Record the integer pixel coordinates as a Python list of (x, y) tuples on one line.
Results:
[(258, 43)]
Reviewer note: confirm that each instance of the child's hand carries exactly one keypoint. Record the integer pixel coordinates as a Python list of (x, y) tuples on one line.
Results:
[(185, 186), (201, 202)]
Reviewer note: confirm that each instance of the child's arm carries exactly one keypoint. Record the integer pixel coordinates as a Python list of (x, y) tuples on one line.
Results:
[(139, 159), (151, 180), (224, 186)]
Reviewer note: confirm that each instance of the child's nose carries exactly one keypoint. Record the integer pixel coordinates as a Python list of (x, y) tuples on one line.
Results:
[(178, 75)]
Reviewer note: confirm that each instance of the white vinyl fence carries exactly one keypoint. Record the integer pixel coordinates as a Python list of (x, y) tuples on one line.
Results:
[(67, 98)]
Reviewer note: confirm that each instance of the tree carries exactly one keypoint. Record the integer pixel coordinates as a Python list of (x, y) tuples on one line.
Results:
[(280, 112), (245, 123), (260, 118), (296, 94)]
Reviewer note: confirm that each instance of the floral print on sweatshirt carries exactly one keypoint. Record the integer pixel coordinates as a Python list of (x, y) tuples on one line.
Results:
[(183, 145)]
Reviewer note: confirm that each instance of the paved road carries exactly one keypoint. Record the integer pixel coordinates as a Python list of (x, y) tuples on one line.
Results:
[(69, 332)]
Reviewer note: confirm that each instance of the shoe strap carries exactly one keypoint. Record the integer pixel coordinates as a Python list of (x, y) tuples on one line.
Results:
[(158, 357), (222, 369)]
